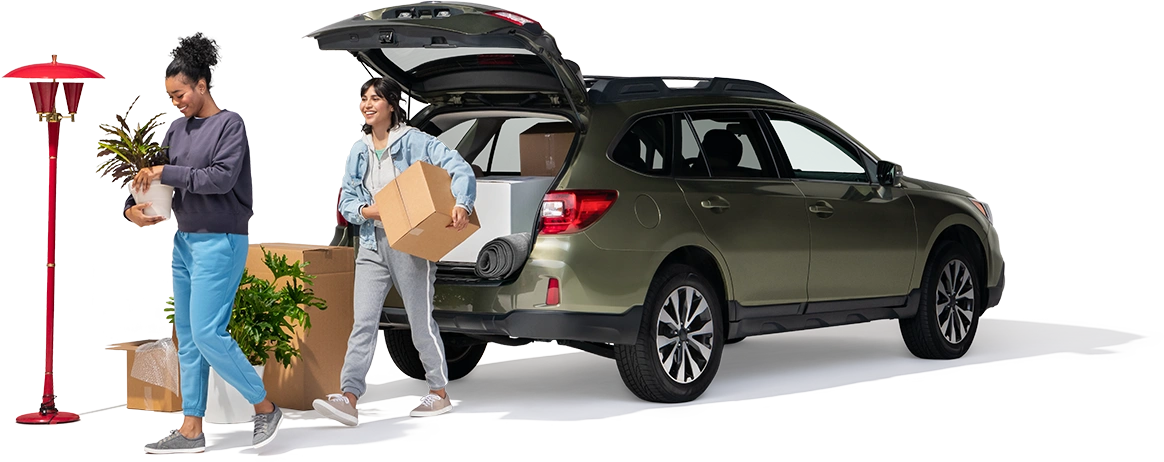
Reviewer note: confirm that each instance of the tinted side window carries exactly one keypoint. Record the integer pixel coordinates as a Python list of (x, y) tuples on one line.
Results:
[(645, 147), (732, 145), (815, 156)]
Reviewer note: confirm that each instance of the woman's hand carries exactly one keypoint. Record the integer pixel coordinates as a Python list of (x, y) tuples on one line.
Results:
[(460, 218), (370, 212), (137, 215), (141, 182)]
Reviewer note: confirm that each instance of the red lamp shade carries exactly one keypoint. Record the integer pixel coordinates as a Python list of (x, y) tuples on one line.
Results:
[(54, 70), (73, 95), (44, 95)]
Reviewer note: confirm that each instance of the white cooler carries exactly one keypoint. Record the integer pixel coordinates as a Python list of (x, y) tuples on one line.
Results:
[(505, 205)]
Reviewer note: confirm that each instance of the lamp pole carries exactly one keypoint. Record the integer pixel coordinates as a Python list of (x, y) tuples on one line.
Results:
[(44, 96)]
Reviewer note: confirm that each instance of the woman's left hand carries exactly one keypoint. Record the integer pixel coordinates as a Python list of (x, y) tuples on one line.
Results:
[(460, 218), (141, 182)]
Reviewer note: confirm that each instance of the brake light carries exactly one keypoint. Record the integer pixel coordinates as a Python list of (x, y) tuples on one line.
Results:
[(495, 60), (339, 217), (553, 293), (511, 17), (567, 212)]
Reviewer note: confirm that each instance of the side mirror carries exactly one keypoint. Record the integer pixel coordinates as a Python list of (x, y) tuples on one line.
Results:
[(888, 173)]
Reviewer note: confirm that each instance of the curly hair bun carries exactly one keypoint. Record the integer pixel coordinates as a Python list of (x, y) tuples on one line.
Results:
[(196, 51)]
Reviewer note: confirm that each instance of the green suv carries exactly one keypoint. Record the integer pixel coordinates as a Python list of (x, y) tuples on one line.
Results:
[(681, 214)]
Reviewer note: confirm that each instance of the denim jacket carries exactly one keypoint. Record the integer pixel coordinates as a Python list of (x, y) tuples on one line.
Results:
[(413, 146)]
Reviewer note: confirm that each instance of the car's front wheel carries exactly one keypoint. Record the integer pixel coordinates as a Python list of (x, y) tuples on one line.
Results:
[(947, 315), (680, 339), (461, 353)]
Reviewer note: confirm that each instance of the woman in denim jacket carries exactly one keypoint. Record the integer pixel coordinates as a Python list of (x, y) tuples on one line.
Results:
[(388, 147)]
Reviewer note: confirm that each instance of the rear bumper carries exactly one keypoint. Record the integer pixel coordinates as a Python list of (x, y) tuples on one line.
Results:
[(621, 329)]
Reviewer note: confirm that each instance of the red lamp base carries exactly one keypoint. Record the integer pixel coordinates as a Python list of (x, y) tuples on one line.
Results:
[(50, 418)]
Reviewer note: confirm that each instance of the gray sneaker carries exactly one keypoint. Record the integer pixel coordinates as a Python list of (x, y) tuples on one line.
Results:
[(432, 405), (266, 426), (177, 444)]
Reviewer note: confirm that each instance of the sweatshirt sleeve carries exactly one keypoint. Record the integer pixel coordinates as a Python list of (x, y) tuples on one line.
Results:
[(225, 164)]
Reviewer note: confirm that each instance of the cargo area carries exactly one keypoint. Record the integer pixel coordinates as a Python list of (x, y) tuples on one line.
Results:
[(515, 157)]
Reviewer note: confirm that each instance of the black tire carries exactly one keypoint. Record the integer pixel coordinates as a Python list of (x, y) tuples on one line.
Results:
[(461, 353), (693, 367), (947, 315), (733, 341)]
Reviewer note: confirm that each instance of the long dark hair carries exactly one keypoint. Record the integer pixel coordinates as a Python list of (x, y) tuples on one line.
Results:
[(193, 58), (389, 90)]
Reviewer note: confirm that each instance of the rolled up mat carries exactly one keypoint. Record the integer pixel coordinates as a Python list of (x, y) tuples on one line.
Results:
[(502, 256)]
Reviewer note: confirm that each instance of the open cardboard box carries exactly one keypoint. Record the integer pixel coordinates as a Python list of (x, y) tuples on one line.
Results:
[(143, 395), (316, 372), (415, 209)]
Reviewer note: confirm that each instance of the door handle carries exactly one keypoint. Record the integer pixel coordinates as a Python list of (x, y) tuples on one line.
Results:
[(716, 204), (821, 209)]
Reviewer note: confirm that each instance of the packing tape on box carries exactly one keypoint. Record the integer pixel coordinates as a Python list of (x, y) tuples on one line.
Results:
[(156, 363)]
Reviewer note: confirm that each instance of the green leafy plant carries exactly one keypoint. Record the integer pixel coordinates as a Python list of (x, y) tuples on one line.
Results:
[(132, 149), (266, 312)]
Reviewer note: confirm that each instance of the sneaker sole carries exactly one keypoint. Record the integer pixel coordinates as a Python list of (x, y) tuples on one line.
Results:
[(175, 451), (269, 438), (430, 413), (327, 410)]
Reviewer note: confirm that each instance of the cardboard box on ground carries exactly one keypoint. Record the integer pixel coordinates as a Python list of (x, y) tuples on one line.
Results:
[(140, 394), (415, 209), (317, 371)]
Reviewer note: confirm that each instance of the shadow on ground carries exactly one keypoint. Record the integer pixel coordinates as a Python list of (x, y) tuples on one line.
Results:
[(581, 386)]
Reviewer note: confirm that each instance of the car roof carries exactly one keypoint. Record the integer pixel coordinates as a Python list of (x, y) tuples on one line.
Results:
[(610, 89)]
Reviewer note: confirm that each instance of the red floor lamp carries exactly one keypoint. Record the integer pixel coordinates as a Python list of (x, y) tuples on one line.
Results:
[(44, 95)]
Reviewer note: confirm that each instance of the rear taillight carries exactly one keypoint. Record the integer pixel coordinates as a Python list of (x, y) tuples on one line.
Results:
[(565, 212), (511, 17), (553, 293), (339, 217)]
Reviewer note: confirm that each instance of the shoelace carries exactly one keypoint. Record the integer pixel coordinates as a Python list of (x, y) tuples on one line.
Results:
[(339, 398), (262, 422), (429, 399)]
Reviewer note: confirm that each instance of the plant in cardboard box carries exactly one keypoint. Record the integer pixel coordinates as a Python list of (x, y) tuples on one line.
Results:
[(264, 316), (133, 150)]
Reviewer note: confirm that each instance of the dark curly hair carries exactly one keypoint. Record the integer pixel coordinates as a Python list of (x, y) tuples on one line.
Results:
[(389, 90), (193, 58)]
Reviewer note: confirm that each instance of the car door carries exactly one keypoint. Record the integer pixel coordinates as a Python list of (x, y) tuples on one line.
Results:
[(864, 237), (755, 219)]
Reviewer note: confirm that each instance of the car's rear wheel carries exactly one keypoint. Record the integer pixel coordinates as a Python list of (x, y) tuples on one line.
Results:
[(461, 353), (947, 315), (680, 339)]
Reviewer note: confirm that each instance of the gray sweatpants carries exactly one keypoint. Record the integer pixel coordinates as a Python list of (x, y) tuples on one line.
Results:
[(376, 272)]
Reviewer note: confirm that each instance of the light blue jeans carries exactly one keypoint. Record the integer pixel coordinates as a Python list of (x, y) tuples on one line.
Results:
[(207, 270)]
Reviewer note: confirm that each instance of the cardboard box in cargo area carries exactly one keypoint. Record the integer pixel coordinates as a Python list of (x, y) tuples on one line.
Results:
[(316, 372), (415, 209), (544, 147), (143, 395)]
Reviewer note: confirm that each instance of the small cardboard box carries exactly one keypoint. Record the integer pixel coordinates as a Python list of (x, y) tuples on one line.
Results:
[(415, 209), (544, 147), (316, 372), (143, 395), (507, 205)]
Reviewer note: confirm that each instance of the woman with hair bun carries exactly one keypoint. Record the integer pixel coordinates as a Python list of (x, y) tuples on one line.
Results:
[(210, 170)]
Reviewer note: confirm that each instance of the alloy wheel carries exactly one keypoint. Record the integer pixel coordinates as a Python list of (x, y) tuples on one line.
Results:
[(685, 334), (954, 301)]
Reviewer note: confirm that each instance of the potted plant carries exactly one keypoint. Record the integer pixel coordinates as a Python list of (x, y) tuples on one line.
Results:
[(262, 322), (133, 150)]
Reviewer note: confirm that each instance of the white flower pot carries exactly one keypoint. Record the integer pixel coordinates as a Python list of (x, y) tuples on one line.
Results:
[(161, 196), (226, 405)]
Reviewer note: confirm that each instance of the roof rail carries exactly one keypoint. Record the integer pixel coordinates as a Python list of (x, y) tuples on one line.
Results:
[(604, 89)]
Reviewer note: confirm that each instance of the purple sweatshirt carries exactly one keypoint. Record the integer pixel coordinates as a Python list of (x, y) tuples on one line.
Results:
[(210, 170)]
